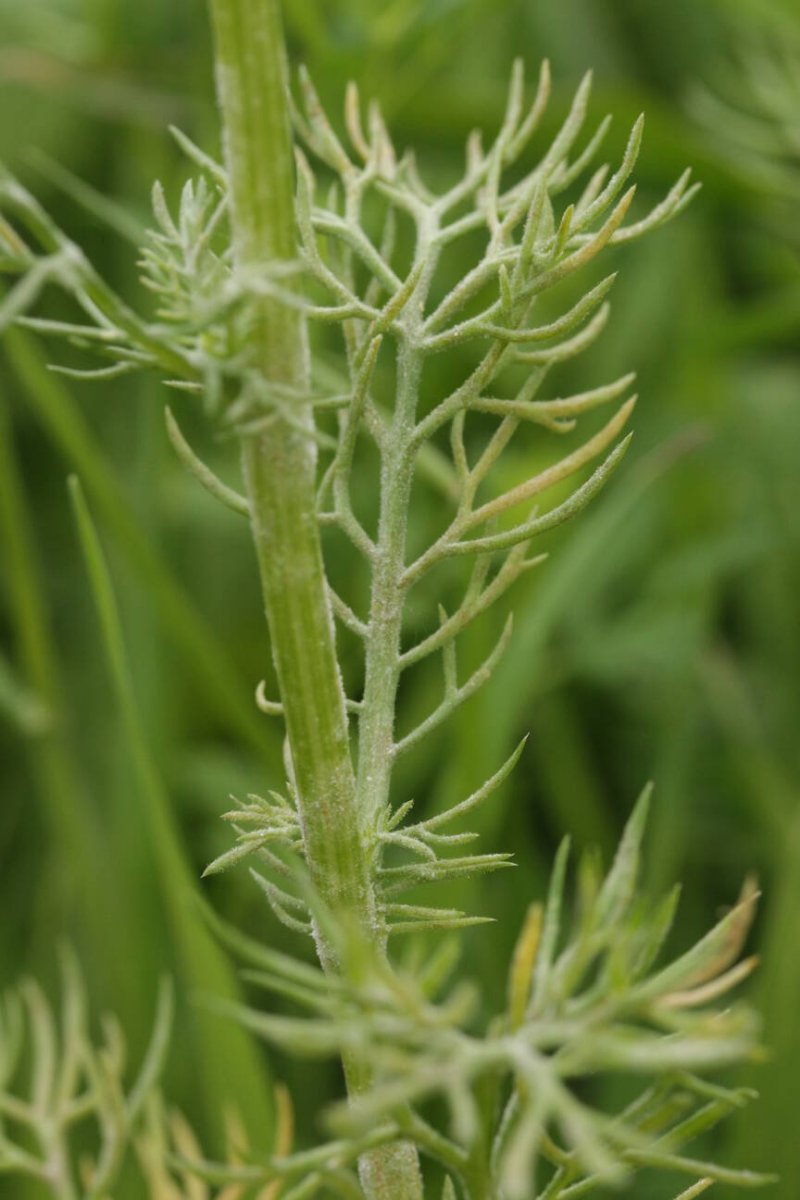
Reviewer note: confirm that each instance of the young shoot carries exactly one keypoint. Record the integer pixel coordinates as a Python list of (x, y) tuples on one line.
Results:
[(307, 232)]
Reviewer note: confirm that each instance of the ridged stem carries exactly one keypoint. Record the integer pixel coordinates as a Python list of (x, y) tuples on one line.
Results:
[(280, 477), (280, 466)]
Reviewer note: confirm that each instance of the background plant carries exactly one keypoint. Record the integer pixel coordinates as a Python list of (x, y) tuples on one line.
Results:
[(574, 660)]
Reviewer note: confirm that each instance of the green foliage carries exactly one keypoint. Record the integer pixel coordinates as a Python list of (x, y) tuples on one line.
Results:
[(580, 1005), (375, 261), (527, 252), (756, 124), (73, 1082)]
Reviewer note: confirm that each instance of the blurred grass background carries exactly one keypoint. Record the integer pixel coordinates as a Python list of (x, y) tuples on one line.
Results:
[(662, 640)]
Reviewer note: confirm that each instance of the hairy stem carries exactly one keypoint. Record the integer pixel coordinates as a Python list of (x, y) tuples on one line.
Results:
[(280, 477), (383, 648), (280, 466), (376, 727)]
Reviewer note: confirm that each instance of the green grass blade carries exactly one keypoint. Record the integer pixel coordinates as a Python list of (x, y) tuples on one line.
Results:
[(193, 637), (226, 1063)]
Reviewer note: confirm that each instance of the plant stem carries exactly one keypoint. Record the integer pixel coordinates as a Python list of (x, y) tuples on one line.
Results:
[(280, 477), (279, 480), (280, 467), (382, 659), (376, 727)]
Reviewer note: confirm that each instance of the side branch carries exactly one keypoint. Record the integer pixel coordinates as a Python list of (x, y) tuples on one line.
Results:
[(203, 474), (455, 694), (557, 516)]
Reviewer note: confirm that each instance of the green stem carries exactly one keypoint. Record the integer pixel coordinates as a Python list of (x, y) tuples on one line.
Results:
[(280, 467), (388, 593), (382, 673), (280, 478)]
